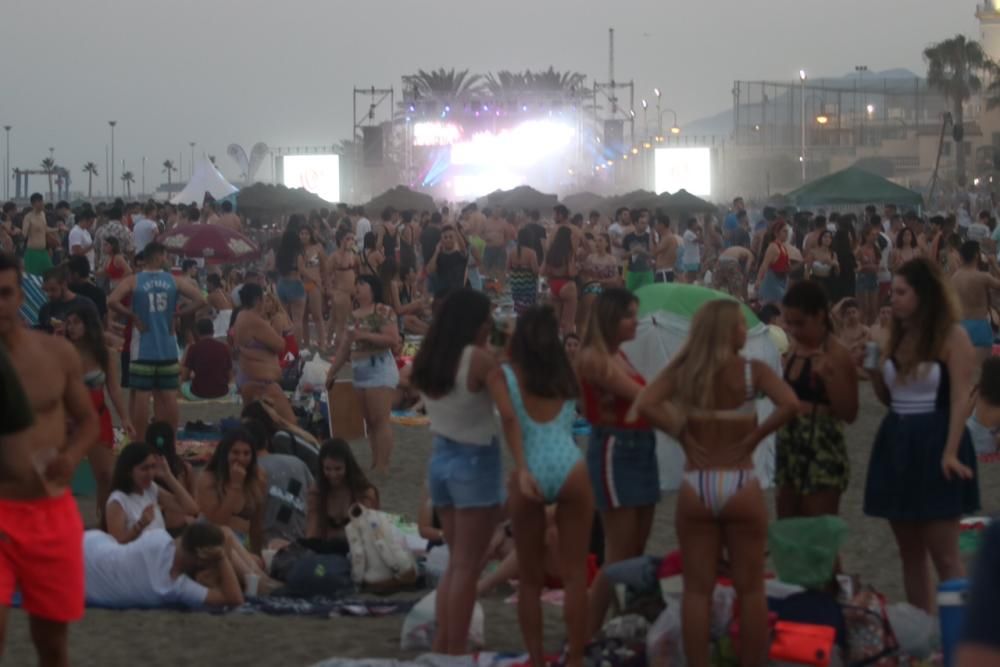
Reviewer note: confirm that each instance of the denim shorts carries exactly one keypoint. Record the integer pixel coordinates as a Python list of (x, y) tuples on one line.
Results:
[(623, 468), (291, 290), (465, 476), (378, 371)]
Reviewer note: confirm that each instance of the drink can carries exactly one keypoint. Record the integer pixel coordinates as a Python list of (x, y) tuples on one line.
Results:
[(871, 356)]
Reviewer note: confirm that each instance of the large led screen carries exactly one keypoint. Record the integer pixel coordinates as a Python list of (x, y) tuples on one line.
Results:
[(319, 174), (684, 168)]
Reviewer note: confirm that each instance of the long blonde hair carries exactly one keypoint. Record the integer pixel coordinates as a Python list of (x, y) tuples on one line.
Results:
[(937, 313), (709, 347)]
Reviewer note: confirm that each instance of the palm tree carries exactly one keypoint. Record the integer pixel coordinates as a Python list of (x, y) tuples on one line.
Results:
[(556, 82), (128, 178), (90, 169), (954, 67), (169, 169), (49, 165), (506, 85), (445, 86)]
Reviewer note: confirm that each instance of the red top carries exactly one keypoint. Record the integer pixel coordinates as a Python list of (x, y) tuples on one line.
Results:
[(114, 272), (597, 403), (781, 265)]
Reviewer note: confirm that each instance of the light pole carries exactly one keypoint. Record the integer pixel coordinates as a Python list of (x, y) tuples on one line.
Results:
[(659, 119), (802, 99), (191, 168), (6, 164), (111, 176), (861, 70), (645, 121), (674, 129)]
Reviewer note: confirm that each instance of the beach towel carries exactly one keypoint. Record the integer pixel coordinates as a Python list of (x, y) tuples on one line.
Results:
[(409, 418), (34, 298)]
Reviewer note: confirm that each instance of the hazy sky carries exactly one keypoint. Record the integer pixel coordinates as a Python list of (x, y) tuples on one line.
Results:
[(282, 71)]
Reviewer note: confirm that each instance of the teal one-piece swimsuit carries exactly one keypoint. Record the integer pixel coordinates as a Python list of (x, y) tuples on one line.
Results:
[(549, 449)]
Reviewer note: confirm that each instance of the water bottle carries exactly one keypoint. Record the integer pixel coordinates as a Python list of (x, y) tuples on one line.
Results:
[(951, 610)]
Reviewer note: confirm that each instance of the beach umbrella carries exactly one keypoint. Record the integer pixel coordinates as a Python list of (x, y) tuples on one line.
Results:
[(665, 313), (685, 202), (401, 198), (213, 243), (523, 197)]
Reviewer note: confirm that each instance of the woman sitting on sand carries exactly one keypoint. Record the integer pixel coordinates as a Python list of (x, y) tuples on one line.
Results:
[(137, 502), (230, 491), (340, 484)]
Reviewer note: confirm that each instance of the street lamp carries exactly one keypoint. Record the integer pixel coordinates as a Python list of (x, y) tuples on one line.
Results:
[(645, 121), (822, 119), (802, 98), (6, 164), (659, 126), (112, 123), (674, 129)]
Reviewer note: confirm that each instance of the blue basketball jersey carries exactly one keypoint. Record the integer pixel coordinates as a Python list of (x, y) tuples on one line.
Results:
[(154, 302)]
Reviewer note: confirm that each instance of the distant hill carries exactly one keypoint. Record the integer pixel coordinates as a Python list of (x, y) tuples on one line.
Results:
[(721, 124)]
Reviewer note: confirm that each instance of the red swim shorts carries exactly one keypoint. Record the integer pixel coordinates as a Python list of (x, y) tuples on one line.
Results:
[(41, 553)]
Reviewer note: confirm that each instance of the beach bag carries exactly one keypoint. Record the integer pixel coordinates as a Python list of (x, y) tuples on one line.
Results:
[(419, 626), (870, 639), (380, 560), (802, 644), (804, 550), (319, 574)]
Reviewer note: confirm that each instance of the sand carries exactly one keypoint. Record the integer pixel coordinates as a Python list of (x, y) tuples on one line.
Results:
[(167, 638)]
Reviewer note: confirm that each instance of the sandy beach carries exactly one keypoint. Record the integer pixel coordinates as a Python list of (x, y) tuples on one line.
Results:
[(171, 638)]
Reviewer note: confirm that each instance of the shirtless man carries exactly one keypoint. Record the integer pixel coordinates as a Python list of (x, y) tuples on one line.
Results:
[(665, 252), (36, 256), (41, 533), (497, 233), (973, 288), (342, 274), (229, 219)]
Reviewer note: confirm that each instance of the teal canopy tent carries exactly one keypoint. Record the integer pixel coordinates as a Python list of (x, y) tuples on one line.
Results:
[(853, 187)]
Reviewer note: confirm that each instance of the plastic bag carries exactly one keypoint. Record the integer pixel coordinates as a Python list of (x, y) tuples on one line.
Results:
[(313, 376), (664, 644), (419, 626), (918, 633), (804, 550)]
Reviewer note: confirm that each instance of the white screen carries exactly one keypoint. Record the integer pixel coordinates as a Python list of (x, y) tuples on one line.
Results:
[(684, 168), (319, 174)]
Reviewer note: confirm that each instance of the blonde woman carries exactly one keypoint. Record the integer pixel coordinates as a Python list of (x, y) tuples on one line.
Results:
[(921, 476), (706, 399)]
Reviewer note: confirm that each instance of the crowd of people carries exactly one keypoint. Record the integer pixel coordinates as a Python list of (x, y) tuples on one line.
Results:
[(516, 315)]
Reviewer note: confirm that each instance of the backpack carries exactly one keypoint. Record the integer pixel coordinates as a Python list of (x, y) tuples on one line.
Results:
[(325, 575), (870, 639)]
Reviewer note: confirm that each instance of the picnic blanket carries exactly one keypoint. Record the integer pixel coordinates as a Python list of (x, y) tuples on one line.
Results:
[(316, 607)]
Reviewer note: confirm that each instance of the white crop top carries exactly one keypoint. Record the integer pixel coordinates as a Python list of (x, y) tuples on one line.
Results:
[(135, 503), (461, 415)]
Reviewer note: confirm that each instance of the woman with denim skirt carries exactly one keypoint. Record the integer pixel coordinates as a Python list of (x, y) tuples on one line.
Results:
[(371, 335), (621, 454), (461, 382)]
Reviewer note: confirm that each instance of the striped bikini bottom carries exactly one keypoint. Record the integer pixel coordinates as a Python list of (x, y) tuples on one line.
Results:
[(716, 487)]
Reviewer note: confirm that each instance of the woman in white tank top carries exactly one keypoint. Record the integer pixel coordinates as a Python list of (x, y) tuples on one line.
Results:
[(460, 382)]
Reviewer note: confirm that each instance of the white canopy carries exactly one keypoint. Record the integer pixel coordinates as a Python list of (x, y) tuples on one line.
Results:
[(659, 338), (206, 178)]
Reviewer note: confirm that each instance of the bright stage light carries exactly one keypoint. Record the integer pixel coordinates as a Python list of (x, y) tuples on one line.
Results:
[(522, 146), (684, 168), (319, 174), (436, 134)]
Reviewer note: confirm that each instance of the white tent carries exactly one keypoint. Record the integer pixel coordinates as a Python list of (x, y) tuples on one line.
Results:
[(206, 178), (659, 338)]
